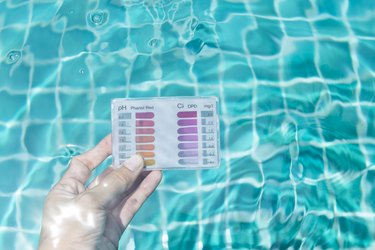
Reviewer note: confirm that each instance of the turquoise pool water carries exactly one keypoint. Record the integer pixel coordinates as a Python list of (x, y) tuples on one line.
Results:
[(296, 85)]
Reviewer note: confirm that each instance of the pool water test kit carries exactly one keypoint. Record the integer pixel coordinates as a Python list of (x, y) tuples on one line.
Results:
[(169, 132)]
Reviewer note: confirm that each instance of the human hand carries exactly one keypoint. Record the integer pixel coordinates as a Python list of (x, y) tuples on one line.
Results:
[(76, 217)]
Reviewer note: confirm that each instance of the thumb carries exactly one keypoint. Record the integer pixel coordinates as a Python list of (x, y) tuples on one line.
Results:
[(111, 190)]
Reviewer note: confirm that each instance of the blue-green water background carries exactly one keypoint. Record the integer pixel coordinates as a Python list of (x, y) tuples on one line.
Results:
[(296, 85)]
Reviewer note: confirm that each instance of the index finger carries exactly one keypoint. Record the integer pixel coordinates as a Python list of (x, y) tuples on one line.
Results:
[(81, 165)]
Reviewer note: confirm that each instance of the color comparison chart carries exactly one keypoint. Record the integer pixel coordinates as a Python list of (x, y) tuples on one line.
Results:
[(170, 133)]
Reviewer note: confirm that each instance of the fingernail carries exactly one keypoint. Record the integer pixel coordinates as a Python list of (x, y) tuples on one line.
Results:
[(133, 163)]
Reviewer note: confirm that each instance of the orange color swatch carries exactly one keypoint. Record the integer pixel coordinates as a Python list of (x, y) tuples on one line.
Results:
[(142, 139)]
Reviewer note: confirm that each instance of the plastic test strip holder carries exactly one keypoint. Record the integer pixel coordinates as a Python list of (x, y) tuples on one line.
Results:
[(169, 132)]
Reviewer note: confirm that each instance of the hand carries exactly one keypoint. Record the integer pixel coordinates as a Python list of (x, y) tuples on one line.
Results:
[(76, 217)]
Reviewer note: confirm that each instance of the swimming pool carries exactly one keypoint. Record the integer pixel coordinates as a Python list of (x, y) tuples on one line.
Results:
[(296, 85)]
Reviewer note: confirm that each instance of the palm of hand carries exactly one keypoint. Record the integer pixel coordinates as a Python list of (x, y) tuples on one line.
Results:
[(76, 217)]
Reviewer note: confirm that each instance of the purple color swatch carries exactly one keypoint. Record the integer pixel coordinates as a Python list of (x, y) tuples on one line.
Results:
[(187, 122), (188, 138), (188, 145), (188, 153), (187, 114), (188, 130)]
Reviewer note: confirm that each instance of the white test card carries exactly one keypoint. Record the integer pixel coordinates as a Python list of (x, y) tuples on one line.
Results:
[(169, 132)]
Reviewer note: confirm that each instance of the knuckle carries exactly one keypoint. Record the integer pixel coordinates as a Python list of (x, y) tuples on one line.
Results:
[(136, 202), (82, 161), (106, 144), (75, 160), (134, 205), (122, 177)]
